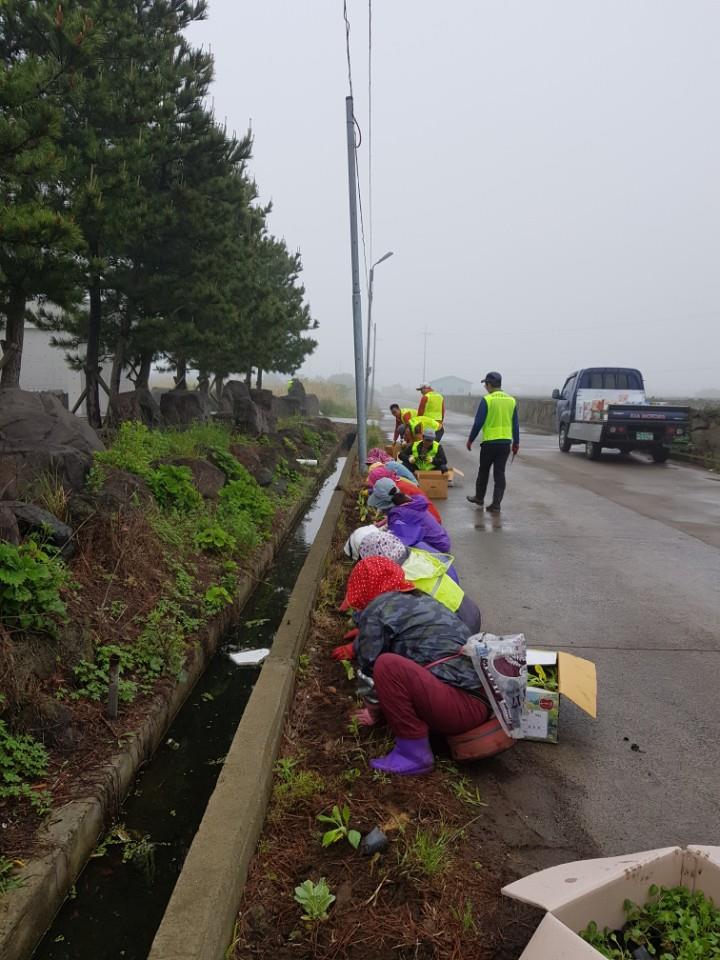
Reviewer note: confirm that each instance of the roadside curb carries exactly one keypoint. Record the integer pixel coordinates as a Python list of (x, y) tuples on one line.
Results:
[(200, 917), (73, 832)]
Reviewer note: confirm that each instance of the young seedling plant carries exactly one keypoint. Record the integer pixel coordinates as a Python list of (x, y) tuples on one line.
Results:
[(314, 898), (340, 823)]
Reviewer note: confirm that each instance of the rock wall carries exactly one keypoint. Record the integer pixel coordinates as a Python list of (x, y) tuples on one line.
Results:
[(536, 413)]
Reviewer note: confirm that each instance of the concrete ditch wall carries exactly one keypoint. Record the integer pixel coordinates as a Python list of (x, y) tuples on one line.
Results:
[(199, 921), (73, 831)]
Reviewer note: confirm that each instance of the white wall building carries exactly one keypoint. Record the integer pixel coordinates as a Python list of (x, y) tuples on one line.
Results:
[(44, 368)]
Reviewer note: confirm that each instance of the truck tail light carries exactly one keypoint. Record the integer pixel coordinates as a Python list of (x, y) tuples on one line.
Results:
[(617, 430)]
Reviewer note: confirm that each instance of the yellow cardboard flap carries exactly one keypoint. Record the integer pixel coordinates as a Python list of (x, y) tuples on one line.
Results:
[(577, 680)]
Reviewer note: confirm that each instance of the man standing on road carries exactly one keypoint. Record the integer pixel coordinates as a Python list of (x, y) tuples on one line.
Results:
[(432, 404), (497, 417)]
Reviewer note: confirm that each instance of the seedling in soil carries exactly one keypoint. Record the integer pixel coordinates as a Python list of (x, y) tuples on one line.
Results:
[(303, 665), (340, 821), (314, 898), (353, 724), (348, 668), (427, 852), (380, 777)]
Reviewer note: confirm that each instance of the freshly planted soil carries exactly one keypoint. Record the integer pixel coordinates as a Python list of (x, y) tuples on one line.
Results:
[(443, 905)]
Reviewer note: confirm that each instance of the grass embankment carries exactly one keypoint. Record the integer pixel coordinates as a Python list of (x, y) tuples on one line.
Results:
[(434, 892), (155, 560)]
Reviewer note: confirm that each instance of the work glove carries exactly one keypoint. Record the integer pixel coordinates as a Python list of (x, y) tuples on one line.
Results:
[(369, 715), (351, 634), (344, 652), (468, 444), (515, 448)]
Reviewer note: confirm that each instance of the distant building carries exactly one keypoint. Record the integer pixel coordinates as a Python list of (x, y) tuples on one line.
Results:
[(452, 386), (44, 368)]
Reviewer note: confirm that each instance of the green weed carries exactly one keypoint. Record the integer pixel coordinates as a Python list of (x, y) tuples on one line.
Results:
[(30, 583), (23, 761), (426, 852), (8, 876)]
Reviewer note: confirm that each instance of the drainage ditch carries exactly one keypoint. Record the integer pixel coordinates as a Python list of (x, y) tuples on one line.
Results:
[(119, 900)]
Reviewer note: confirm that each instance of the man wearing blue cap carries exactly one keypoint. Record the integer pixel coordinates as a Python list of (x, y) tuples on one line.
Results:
[(425, 454), (497, 417)]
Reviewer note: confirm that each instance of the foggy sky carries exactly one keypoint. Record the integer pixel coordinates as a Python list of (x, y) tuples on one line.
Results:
[(547, 173)]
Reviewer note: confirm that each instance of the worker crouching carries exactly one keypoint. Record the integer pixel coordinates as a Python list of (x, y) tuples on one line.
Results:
[(425, 454), (408, 647)]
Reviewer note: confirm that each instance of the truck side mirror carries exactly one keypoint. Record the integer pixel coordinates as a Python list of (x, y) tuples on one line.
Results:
[(556, 394)]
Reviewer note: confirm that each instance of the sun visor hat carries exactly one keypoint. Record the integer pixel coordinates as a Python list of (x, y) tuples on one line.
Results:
[(352, 545), (383, 492), (428, 434)]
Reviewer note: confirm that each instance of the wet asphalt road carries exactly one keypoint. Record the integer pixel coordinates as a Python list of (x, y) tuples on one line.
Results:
[(618, 561)]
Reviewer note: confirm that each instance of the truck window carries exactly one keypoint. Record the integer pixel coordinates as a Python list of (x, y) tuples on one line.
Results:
[(567, 390), (596, 381), (610, 381)]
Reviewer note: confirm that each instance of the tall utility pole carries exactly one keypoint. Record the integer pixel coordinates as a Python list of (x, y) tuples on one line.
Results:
[(356, 304), (371, 401), (426, 334), (368, 366)]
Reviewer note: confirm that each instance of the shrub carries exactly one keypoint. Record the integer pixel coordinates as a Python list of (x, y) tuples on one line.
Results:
[(244, 497), (214, 539), (173, 487), (30, 585), (92, 678)]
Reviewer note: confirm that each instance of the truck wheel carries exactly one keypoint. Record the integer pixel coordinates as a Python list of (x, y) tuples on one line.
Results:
[(592, 450), (563, 439), (660, 454)]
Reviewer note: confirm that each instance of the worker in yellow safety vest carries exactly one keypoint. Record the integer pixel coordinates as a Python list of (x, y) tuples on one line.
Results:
[(402, 417), (425, 454), (432, 404), (497, 417)]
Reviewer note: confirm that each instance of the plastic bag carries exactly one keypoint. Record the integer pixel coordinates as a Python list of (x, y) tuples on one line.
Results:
[(501, 664)]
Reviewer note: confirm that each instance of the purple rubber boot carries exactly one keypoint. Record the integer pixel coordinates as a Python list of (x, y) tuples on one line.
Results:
[(409, 758)]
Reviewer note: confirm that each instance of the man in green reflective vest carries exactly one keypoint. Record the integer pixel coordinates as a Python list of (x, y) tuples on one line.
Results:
[(497, 417), (432, 404), (425, 454), (402, 417)]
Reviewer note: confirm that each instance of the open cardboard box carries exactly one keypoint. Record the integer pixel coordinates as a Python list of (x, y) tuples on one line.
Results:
[(576, 893), (433, 483), (577, 680)]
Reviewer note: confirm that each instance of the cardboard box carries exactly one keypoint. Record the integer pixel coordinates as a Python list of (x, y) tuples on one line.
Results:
[(576, 679), (574, 894), (433, 483)]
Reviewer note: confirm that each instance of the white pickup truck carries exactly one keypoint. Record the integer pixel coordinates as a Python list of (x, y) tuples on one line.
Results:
[(607, 407)]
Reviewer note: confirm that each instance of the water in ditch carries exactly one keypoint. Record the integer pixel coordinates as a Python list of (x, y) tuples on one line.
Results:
[(119, 900)]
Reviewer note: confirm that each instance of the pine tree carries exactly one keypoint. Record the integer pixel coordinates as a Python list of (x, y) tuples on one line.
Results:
[(39, 241)]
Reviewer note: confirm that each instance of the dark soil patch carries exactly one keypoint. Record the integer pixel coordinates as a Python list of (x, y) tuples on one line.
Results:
[(394, 904)]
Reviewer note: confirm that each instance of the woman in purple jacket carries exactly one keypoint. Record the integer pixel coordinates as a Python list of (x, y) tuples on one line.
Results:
[(408, 518)]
